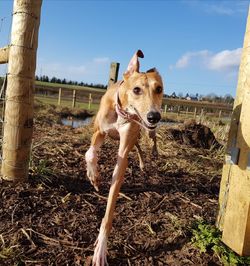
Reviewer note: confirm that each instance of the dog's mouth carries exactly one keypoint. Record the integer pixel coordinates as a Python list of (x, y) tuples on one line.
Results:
[(132, 114), (145, 124), (149, 125)]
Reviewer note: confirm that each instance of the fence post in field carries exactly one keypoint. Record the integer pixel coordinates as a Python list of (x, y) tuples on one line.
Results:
[(220, 114), (90, 100), (195, 112), (202, 113), (165, 109), (178, 110), (59, 96), (201, 116), (113, 73), (18, 120), (234, 199), (74, 99)]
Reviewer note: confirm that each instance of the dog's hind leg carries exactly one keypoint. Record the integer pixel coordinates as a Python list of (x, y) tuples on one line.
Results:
[(91, 158), (140, 156)]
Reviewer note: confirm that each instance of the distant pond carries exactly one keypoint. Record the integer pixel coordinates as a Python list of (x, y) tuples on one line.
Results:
[(76, 122), (80, 122)]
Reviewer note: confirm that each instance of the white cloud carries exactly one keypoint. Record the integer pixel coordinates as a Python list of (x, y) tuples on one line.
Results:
[(94, 71), (226, 60), (222, 8), (183, 61), (100, 60), (189, 57), (59, 69)]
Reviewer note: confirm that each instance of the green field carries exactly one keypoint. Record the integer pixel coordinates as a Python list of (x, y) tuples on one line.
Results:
[(70, 87), (48, 93), (67, 103)]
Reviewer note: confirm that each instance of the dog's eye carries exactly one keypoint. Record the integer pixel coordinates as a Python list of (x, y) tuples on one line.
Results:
[(158, 90), (137, 90)]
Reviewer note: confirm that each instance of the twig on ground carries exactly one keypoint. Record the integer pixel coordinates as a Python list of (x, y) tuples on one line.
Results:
[(159, 204), (28, 237), (122, 195)]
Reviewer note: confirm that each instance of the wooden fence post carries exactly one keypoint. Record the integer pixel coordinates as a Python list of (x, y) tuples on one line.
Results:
[(90, 100), (195, 112), (234, 200), (113, 74), (59, 96), (219, 114), (74, 99), (18, 121), (165, 109), (202, 112)]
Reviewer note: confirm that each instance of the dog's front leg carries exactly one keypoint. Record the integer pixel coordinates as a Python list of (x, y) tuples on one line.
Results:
[(91, 158), (127, 141)]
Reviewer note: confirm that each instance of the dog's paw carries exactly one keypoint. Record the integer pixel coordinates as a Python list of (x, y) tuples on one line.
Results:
[(93, 175), (155, 153), (100, 253), (92, 172)]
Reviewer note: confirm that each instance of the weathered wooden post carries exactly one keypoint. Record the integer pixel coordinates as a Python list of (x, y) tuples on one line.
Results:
[(220, 112), (201, 114), (113, 74), (59, 96), (178, 110), (90, 100), (195, 112), (186, 112), (18, 121), (234, 200), (74, 99), (165, 109)]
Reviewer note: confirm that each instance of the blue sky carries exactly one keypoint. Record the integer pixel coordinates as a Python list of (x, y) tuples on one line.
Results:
[(195, 45)]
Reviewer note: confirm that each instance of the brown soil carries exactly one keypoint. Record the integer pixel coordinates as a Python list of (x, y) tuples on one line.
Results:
[(54, 218), (196, 135)]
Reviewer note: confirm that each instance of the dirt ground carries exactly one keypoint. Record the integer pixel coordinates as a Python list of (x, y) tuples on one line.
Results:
[(54, 218)]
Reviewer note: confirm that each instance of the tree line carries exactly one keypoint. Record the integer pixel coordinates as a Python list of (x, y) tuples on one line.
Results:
[(227, 98), (211, 97), (45, 78)]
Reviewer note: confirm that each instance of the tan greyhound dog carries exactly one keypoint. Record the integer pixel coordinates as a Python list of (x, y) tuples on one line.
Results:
[(125, 108)]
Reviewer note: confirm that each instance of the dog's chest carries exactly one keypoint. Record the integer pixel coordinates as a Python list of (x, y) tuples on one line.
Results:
[(112, 129), (114, 134)]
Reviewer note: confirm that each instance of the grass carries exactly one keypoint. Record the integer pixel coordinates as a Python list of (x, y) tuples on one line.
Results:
[(67, 103), (207, 237), (72, 87), (203, 119)]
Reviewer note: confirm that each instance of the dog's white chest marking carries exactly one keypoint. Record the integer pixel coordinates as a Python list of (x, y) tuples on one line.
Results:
[(112, 129)]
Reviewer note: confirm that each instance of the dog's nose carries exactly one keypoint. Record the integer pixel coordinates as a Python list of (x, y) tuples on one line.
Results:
[(153, 117)]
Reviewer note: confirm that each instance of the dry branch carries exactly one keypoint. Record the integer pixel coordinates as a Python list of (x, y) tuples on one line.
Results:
[(4, 55)]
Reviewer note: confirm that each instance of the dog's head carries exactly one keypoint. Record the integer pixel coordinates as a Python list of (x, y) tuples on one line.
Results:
[(143, 92)]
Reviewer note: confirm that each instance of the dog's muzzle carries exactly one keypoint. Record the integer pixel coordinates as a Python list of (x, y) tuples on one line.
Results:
[(153, 117)]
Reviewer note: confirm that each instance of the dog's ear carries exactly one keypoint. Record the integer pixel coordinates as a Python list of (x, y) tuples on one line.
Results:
[(134, 65), (152, 70)]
